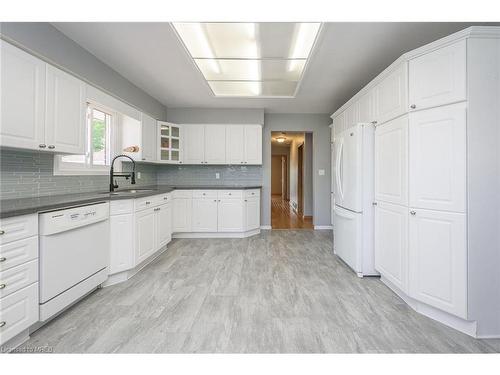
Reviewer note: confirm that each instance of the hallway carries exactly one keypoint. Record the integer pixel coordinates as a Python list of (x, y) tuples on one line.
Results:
[(283, 217)]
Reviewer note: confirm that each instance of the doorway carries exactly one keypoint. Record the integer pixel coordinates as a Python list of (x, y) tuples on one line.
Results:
[(291, 180)]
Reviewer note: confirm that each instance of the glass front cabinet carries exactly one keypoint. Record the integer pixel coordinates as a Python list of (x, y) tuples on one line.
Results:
[(169, 137)]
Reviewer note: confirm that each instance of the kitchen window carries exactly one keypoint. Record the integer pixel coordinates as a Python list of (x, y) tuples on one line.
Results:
[(100, 131)]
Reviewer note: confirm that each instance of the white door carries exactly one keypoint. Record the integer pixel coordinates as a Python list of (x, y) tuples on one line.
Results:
[(253, 144), (391, 161), (22, 92), (163, 225), (438, 158), (65, 113), (347, 239), (145, 236), (215, 144), (438, 260), (194, 144), (149, 141), (438, 77), (230, 215), (391, 243), (204, 218), (252, 213), (181, 215), (348, 168), (391, 95), (235, 144)]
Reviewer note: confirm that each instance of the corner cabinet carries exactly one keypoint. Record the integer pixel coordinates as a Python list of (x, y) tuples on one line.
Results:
[(150, 135), (170, 143)]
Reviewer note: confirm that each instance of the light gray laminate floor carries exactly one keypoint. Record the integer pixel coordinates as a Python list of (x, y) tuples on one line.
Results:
[(278, 292)]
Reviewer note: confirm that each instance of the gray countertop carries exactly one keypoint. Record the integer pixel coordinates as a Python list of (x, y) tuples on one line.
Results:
[(24, 206)]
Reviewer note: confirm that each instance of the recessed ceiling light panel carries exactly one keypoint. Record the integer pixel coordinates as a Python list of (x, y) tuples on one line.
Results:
[(250, 59)]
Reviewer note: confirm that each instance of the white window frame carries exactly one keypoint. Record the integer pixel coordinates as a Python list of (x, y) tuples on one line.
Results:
[(62, 168)]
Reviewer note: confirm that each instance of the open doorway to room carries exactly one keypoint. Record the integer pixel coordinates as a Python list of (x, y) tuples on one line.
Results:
[(291, 180)]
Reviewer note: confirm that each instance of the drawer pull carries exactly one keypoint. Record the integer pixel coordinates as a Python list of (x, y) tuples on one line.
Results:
[(2, 232), (148, 202), (2, 286), (2, 324), (3, 259), (165, 198), (52, 147)]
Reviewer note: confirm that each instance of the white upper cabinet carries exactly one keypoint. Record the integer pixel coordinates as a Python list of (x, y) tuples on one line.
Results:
[(391, 161), (215, 144), (438, 258), (235, 144), (365, 107), (22, 90), (194, 144), (149, 140), (65, 112), (169, 143), (391, 95), (391, 243), (253, 144), (438, 158), (351, 115), (438, 77)]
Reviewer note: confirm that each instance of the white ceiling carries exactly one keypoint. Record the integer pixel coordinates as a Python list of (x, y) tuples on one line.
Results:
[(346, 57)]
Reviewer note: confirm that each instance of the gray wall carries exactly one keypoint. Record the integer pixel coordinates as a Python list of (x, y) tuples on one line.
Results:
[(318, 125), (30, 173), (48, 43), (215, 116)]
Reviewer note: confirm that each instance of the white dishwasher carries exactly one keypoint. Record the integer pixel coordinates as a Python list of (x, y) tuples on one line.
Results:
[(74, 248)]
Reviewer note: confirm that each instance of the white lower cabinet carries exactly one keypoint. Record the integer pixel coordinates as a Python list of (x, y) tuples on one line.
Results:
[(182, 211), (204, 214), (145, 235), (163, 224), (438, 258), (121, 236), (252, 213), (230, 214), (391, 243)]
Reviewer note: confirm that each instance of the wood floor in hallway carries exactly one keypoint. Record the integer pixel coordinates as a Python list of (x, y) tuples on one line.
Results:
[(283, 217), (278, 292)]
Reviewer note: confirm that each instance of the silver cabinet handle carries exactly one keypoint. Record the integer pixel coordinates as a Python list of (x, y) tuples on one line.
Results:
[(52, 147), (165, 198), (143, 158), (2, 324), (413, 106), (374, 203), (2, 232), (3, 259), (2, 286), (148, 202), (374, 122), (246, 200), (215, 200), (229, 193), (42, 145), (413, 213)]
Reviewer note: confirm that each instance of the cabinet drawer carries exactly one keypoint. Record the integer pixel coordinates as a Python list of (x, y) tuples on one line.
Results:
[(18, 311), (18, 277), (212, 194), (164, 198), (18, 252), (146, 202), (18, 227), (183, 193), (252, 193), (230, 194), (120, 207)]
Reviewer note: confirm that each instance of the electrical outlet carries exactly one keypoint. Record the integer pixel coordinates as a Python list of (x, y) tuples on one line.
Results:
[(217, 176), (138, 175), (321, 172)]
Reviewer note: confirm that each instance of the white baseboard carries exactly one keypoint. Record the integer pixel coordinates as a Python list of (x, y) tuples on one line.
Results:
[(217, 234), (323, 227), (266, 227), (462, 325)]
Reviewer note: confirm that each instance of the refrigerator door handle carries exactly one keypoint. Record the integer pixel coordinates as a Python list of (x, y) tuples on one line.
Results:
[(339, 170)]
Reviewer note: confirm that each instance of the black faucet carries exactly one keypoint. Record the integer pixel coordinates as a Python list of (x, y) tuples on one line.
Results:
[(112, 184)]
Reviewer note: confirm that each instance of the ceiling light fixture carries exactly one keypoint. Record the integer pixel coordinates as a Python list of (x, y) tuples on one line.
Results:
[(281, 138), (305, 35)]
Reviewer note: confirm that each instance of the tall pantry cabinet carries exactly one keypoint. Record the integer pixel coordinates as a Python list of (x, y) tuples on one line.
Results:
[(437, 168)]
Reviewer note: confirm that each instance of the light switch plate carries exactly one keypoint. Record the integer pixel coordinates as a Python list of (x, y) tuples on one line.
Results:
[(321, 172), (138, 175), (217, 176)]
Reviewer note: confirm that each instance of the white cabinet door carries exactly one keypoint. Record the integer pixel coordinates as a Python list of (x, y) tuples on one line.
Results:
[(65, 113), (235, 144), (352, 115), (253, 144), (163, 225), (391, 95), (149, 141), (194, 144), (438, 158), (145, 242), (438, 77), (22, 91), (391, 161), (215, 144), (204, 218), (438, 259), (365, 107), (391, 243), (252, 213), (230, 216), (181, 215), (122, 243)]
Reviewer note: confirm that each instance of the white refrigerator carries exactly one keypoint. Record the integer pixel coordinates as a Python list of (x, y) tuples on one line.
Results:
[(353, 237)]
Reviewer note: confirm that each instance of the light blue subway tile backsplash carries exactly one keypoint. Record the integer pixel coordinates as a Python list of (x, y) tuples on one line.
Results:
[(30, 174)]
